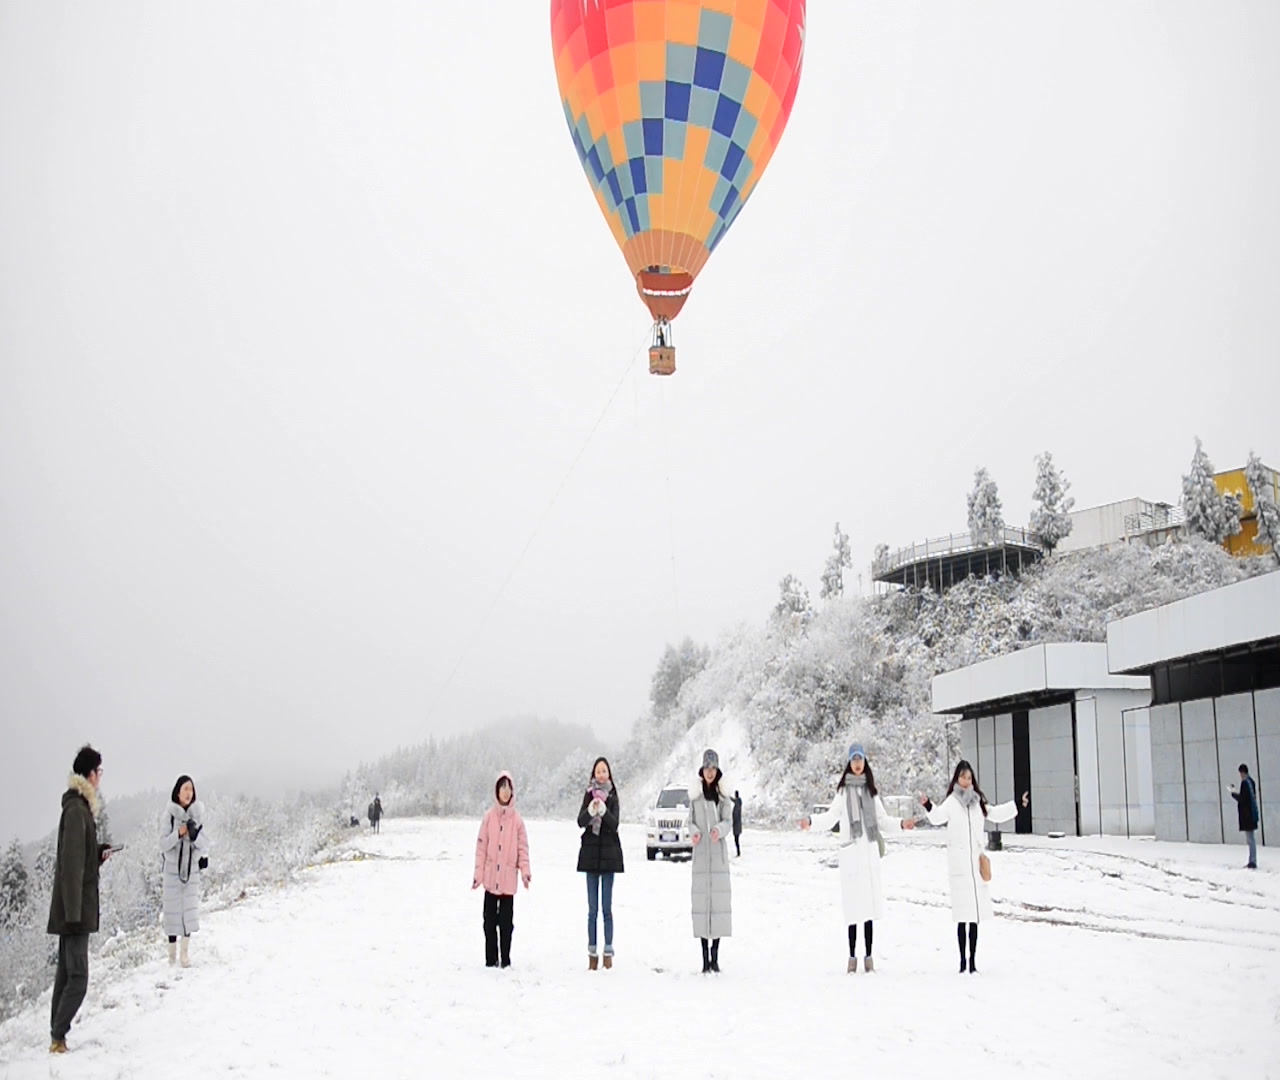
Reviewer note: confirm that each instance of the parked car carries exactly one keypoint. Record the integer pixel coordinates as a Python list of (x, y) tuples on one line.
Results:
[(667, 823)]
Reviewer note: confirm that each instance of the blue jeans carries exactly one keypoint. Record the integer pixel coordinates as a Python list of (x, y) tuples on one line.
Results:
[(600, 894), (1252, 834)]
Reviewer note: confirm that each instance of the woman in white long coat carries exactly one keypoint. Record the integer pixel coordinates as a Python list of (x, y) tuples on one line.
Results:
[(184, 849), (863, 820), (964, 811)]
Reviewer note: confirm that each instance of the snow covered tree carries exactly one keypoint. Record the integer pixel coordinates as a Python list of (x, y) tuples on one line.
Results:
[(1233, 511), (832, 573), (14, 884), (1051, 518), (1204, 509), (793, 603), (1262, 487), (676, 667), (985, 520)]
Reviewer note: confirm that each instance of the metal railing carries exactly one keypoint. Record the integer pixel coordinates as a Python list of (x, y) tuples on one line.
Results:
[(1153, 516), (955, 544)]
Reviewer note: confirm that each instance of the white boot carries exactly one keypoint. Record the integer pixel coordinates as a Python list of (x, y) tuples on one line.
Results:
[(186, 957), (173, 951)]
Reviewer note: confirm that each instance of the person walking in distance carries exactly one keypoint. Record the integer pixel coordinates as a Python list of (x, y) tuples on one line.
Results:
[(600, 855), (737, 824), (502, 859), (710, 822), (73, 908), (863, 820), (964, 812), (1248, 813)]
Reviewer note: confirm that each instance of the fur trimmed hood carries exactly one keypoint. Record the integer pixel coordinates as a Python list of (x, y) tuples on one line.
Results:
[(195, 811), (82, 787)]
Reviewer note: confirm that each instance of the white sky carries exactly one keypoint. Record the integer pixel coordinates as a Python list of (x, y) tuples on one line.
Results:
[(306, 311)]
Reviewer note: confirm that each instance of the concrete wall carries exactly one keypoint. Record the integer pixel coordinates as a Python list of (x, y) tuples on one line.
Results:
[(1113, 750), (1098, 526), (1166, 770), (1196, 751), (1266, 715), (1236, 614), (1053, 782)]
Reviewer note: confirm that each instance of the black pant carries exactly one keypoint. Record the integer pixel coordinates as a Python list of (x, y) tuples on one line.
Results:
[(498, 912), (737, 842), (973, 944), (70, 984), (868, 929)]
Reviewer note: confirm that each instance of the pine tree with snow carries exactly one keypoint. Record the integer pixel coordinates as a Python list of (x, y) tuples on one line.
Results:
[(793, 603), (832, 573), (985, 516), (1051, 518), (1233, 511), (14, 884), (1263, 489), (1203, 508)]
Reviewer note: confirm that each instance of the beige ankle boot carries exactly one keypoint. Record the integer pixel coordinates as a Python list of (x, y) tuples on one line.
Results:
[(173, 952), (185, 954)]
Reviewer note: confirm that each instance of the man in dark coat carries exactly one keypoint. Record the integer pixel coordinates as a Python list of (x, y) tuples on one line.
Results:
[(737, 822), (1248, 811), (375, 813), (73, 909)]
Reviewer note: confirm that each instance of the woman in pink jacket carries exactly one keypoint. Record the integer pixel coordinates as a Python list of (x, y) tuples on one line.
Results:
[(502, 857)]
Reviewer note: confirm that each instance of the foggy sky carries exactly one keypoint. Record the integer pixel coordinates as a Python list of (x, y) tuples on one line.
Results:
[(307, 313)]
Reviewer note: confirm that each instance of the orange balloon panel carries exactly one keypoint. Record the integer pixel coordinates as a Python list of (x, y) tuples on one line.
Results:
[(675, 108)]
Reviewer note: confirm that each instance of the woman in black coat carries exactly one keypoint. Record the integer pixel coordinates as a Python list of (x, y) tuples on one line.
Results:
[(600, 856)]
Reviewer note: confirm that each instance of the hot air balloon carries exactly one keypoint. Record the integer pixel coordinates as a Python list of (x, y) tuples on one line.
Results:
[(675, 108)]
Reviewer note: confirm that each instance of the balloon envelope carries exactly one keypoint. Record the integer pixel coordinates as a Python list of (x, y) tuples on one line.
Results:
[(675, 108)]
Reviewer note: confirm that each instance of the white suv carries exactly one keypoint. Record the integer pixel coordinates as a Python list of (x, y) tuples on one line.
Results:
[(667, 822)]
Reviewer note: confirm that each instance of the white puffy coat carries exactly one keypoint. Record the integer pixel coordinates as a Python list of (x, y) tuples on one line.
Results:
[(966, 839), (859, 860), (181, 869)]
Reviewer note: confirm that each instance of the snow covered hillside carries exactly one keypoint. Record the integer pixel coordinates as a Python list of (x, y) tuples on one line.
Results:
[(1109, 958), (782, 700)]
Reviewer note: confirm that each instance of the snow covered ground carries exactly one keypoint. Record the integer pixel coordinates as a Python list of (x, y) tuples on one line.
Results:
[(1107, 958)]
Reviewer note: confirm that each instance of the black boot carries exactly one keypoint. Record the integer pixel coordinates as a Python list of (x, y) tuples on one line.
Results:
[(960, 941), (706, 956), (973, 948), (715, 956)]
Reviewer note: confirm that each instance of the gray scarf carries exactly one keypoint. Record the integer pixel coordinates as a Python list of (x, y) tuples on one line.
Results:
[(855, 787), (965, 796)]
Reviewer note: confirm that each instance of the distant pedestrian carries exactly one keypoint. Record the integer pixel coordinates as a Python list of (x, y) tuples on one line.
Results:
[(73, 908), (710, 822), (502, 858), (375, 813), (184, 848), (737, 823), (1248, 812), (965, 812), (600, 855)]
